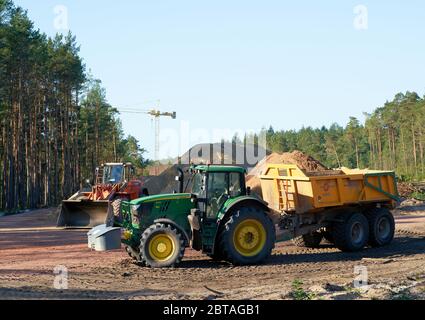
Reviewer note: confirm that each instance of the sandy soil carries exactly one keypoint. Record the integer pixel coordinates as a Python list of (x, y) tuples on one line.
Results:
[(30, 249)]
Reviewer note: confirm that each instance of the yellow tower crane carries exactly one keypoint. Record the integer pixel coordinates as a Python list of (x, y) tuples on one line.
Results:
[(156, 114)]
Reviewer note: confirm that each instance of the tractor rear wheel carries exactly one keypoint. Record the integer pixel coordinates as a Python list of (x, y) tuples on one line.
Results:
[(352, 234), (248, 237), (382, 227), (310, 240), (162, 246)]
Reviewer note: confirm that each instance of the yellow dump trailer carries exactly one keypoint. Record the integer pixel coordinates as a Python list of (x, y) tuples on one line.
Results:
[(287, 188), (349, 208)]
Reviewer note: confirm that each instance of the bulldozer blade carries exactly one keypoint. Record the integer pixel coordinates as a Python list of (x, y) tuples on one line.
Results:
[(83, 214)]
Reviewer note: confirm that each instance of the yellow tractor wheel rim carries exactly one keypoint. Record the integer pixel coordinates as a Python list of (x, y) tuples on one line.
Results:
[(161, 247), (249, 238)]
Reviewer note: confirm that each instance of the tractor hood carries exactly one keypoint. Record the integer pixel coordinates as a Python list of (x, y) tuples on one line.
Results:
[(161, 197), (141, 213)]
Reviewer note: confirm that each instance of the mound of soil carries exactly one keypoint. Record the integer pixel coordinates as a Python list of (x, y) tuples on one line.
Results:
[(302, 160), (216, 153), (164, 183), (298, 158)]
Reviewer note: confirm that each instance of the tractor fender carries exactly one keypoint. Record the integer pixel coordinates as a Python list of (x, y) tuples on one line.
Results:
[(245, 201), (175, 225)]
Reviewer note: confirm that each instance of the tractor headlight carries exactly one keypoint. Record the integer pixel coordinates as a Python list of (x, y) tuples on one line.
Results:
[(127, 235)]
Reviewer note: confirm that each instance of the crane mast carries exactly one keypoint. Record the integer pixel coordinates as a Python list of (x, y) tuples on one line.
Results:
[(157, 115)]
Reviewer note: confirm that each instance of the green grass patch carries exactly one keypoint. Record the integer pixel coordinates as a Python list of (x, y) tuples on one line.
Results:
[(419, 196), (298, 293)]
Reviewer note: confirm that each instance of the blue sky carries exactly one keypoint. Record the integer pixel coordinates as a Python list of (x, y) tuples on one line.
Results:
[(245, 64)]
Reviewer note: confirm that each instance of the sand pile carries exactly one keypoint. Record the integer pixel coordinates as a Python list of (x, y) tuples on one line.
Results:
[(298, 158)]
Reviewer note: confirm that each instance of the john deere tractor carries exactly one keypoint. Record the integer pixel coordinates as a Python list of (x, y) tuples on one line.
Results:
[(218, 217)]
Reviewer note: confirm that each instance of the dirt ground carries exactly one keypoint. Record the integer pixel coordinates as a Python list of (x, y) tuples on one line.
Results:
[(30, 249)]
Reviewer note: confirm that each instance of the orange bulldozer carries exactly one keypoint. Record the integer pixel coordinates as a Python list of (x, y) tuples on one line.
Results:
[(114, 183)]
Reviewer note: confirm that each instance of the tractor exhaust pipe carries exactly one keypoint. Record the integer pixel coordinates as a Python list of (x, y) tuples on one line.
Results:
[(180, 179)]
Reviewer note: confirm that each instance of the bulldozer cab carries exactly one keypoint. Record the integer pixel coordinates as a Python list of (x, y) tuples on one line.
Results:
[(90, 209), (114, 173)]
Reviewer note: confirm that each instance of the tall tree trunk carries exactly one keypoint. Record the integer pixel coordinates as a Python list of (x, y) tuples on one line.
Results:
[(415, 160)]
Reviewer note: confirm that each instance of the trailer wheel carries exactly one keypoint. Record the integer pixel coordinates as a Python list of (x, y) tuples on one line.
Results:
[(162, 246), (311, 240), (353, 234), (382, 227), (248, 237)]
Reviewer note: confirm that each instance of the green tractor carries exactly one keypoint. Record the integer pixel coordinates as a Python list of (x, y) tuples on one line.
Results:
[(219, 217)]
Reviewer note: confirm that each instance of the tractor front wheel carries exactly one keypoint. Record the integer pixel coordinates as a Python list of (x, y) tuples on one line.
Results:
[(162, 246), (248, 237)]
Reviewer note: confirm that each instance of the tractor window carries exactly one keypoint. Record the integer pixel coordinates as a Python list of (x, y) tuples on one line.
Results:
[(198, 182), (235, 186), (217, 192)]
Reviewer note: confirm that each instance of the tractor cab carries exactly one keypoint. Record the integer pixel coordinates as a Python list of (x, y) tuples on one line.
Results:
[(213, 186)]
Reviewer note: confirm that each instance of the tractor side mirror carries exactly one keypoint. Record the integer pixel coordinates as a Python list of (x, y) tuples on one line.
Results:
[(180, 179)]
